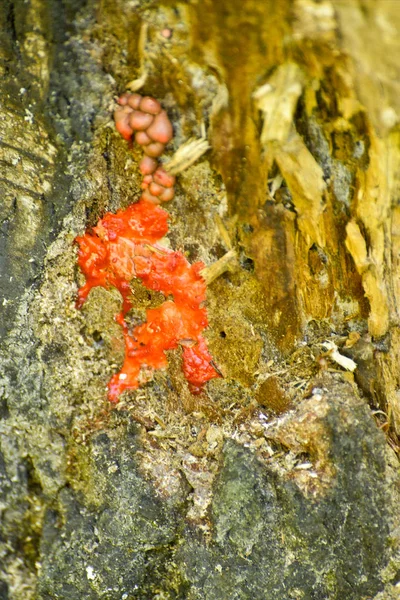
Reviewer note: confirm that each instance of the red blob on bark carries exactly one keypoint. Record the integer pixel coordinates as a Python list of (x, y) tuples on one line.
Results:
[(123, 246)]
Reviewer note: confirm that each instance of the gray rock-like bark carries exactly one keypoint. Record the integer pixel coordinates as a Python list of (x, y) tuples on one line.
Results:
[(277, 483)]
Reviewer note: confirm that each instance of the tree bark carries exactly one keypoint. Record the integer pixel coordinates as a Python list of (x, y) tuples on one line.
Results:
[(281, 480)]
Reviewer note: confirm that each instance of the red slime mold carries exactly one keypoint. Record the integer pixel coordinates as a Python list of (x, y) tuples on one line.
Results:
[(123, 246)]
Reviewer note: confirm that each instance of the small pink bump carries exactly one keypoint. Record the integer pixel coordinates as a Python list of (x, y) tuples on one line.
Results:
[(166, 33), (160, 129), (123, 100), (167, 194), (124, 131), (149, 197), (134, 100), (154, 149), (142, 138), (147, 180), (163, 178), (121, 117), (147, 165), (150, 105), (122, 112), (122, 124), (140, 120), (155, 189)]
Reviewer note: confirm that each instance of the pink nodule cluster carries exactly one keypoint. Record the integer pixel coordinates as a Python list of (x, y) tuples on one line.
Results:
[(144, 118)]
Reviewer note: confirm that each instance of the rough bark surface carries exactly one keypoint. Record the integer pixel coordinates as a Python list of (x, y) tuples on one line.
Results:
[(281, 480)]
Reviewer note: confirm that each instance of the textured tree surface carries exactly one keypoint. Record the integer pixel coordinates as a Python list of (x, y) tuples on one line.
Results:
[(281, 481)]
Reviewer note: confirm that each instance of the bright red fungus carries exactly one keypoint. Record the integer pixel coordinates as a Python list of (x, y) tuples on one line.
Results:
[(123, 246)]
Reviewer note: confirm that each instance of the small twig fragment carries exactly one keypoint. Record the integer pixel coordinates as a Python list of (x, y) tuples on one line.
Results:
[(186, 155), (138, 83), (343, 361), (223, 231), (222, 265)]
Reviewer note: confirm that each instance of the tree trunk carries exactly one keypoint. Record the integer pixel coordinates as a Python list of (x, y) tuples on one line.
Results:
[(281, 479)]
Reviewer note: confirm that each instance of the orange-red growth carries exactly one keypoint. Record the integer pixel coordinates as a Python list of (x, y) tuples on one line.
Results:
[(123, 246)]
